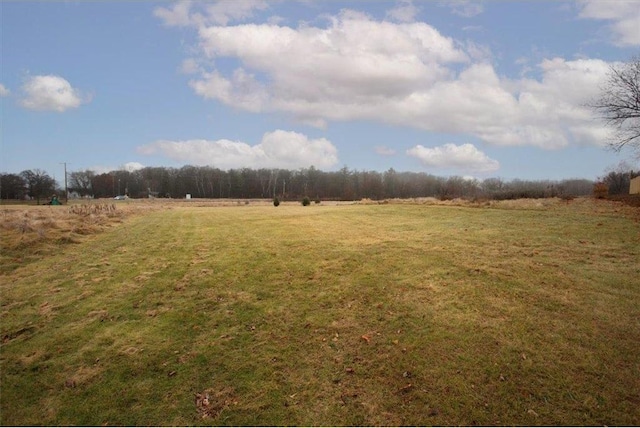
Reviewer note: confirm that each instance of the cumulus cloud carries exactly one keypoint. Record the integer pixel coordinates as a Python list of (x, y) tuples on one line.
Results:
[(242, 90), (552, 111), (50, 93), (4, 92), (277, 149), (407, 74), (341, 72), (405, 11), (465, 157), (624, 16)]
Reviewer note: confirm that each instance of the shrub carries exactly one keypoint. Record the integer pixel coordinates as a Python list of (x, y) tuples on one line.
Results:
[(276, 202), (600, 190), (317, 201), (306, 201)]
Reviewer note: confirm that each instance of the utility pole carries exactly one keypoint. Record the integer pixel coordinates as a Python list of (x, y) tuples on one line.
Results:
[(66, 190)]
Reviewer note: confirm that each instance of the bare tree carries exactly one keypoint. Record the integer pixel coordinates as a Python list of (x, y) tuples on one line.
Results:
[(80, 181), (39, 183), (619, 104), (12, 186)]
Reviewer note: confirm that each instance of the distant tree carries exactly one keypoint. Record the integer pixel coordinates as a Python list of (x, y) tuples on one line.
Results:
[(12, 186), (346, 180), (80, 182), (103, 185), (492, 186), (236, 182), (619, 104), (577, 187), (343, 184), (390, 183), (371, 185), (619, 178), (39, 183), (618, 182)]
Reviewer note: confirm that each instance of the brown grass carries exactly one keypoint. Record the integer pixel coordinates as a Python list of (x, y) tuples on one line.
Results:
[(32, 232)]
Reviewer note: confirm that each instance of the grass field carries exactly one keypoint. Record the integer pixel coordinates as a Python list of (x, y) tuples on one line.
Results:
[(395, 314)]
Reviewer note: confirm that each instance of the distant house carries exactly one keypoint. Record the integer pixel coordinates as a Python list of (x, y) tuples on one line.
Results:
[(634, 186)]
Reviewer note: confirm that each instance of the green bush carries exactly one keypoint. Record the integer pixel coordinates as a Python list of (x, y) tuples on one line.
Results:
[(276, 202), (306, 201)]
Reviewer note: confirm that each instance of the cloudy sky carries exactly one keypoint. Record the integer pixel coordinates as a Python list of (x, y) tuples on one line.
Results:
[(482, 89)]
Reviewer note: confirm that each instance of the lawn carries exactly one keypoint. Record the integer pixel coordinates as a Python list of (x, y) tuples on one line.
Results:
[(377, 314)]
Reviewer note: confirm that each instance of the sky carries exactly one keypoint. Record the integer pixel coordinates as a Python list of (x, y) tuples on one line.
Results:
[(467, 88)]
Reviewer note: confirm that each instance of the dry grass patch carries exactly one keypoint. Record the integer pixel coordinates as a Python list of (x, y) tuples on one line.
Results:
[(31, 232)]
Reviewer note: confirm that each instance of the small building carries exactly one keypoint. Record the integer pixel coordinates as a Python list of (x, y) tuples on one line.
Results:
[(634, 186)]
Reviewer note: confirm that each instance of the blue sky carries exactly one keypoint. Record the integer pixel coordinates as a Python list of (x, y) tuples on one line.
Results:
[(480, 89)]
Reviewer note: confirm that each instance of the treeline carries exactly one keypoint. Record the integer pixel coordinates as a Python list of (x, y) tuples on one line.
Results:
[(345, 184)]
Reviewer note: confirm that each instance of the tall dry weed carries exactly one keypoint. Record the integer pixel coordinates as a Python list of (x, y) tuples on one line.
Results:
[(31, 230)]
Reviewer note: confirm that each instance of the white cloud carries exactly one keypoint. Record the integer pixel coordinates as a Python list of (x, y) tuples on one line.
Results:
[(465, 8), (220, 12), (405, 74), (405, 11), (552, 111), (242, 90), (4, 92), (277, 149), (465, 157), (102, 169), (224, 11), (384, 151), (477, 51), (623, 14), (473, 28), (131, 166), (177, 16), (52, 93), (105, 169), (337, 73)]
